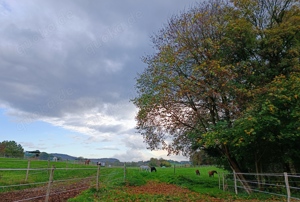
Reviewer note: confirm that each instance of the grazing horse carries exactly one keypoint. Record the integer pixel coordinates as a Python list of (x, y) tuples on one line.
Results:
[(211, 173), (87, 162), (153, 169), (145, 168), (197, 172)]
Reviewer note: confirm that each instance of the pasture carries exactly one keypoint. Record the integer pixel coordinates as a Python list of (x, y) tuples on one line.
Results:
[(117, 183), (164, 185)]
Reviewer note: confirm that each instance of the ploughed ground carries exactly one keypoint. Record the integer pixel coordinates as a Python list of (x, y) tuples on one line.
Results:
[(62, 192), (159, 188)]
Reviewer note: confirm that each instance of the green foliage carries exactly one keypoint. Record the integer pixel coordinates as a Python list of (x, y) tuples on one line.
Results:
[(45, 156), (201, 157), (11, 149), (165, 163), (271, 126), (154, 162)]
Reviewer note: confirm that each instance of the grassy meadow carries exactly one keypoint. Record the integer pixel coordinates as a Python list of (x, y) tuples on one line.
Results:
[(116, 182), (115, 187), (13, 172)]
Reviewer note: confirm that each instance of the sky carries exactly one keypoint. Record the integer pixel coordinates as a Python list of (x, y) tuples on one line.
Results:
[(68, 71)]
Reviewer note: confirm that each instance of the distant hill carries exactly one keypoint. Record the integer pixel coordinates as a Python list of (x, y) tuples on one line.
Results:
[(64, 156), (68, 157), (106, 160)]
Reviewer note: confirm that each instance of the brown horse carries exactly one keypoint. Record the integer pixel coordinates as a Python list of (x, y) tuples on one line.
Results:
[(211, 173), (197, 172), (87, 162)]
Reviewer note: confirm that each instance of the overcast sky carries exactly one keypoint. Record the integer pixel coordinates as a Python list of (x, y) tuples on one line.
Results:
[(68, 72)]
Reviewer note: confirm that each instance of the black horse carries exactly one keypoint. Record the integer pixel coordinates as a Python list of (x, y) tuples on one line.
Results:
[(153, 169)]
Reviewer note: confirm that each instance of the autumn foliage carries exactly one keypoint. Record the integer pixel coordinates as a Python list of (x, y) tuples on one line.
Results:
[(225, 79)]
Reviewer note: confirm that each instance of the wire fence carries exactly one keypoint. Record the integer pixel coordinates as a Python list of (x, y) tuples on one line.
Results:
[(278, 184), (48, 182), (42, 184)]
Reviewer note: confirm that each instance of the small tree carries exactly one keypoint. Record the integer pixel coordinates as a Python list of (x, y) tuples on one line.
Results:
[(165, 163), (202, 158), (11, 149), (154, 162)]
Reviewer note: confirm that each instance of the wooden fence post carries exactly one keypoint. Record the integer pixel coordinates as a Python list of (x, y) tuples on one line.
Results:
[(288, 192), (223, 181), (49, 183), (124, 172), (97, 179), (235, 187), (219, 180), (48, 166), (27, 172)]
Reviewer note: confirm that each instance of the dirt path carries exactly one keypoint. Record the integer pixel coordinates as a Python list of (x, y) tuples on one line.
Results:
[(158, 188), (59, 192)]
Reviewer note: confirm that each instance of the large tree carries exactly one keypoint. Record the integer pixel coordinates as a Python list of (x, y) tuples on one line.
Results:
[(215, 68)]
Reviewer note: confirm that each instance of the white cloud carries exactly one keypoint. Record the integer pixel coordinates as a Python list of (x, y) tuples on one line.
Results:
[(131, 155)]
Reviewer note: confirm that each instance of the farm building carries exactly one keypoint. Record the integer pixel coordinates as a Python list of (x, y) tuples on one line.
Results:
[(32, 154)]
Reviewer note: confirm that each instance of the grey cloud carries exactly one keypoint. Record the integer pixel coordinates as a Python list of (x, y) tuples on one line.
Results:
[(134, 142), (63, 60)]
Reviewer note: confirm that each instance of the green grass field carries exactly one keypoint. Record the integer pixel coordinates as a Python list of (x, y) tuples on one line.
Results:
[(13, 172), (115, 181)]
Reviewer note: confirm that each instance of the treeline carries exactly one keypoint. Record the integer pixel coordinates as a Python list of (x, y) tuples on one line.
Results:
[(157, 163), (11, 149)]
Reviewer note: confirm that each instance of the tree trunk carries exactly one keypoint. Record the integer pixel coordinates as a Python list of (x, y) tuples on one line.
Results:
[(257, 172), (258, 169), (235, 167)]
